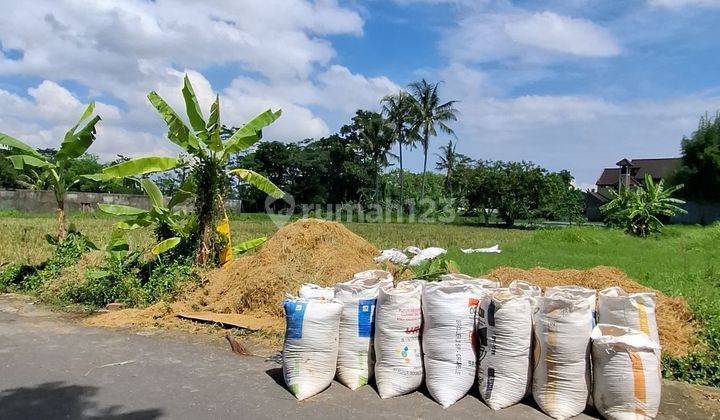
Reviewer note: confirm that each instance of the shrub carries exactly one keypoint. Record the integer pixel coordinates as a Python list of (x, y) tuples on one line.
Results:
[(25, 278), (132, 282), (639, 210), (166, 281)]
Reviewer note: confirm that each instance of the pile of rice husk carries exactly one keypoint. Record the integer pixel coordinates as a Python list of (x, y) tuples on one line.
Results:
[(308, 250), (676, 326)]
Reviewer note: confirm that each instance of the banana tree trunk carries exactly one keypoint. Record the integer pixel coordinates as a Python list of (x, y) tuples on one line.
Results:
[(425, 153), (60, 217), (209, 202)]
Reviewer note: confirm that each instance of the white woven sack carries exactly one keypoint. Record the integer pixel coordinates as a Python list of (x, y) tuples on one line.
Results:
[(504, 347), (579, 292), (311, 345), (464, 278), (356, 355), (527, 288), (561, 377), (448, 339), (398, 319), (627, 373), (383, 275), (313, 291), (633, 310)]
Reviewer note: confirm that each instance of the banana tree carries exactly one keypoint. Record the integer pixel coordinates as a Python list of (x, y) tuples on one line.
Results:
[(75, 142), (171, 227), (208, 157)]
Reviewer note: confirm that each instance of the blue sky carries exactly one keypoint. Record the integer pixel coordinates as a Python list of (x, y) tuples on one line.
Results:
[(574, 84)]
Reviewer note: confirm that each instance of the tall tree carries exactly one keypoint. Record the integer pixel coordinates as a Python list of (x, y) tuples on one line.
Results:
[(700, 168), (449, 160), (430, 115), (55, 167), (376, 140), (399, 109)]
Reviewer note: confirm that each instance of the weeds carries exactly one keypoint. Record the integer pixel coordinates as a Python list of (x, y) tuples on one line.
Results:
[(26, 278), (122, 277)]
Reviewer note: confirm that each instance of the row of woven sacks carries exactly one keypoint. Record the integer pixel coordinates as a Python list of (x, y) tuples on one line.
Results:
[(462, 332)]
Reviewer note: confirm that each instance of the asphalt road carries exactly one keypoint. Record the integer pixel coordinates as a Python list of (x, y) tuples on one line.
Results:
[(56, 368)]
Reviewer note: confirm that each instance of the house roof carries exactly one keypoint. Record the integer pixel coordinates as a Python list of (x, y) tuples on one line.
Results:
[(657, 168), (624, 162), (609, 176), (598, 196)]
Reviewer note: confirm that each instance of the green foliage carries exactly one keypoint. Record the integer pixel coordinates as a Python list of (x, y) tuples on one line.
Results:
[(114, 282), (374, 140), (432, 270), (10, 275), (331, 170), (700, 168), (702, 368), (171, 227), (638, 210), (450, 161), (521, 190), (400, 111), (560, 200), (131, 282), (208, 180), (166, 281), (249, 245), (25, 278), (55, 169)]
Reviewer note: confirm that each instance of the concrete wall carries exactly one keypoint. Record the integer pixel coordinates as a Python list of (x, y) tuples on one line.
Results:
[(698, 213), (44, 201)]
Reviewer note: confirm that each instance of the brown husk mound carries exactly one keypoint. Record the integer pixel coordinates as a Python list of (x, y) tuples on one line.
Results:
[(308, 250), (678, 330)]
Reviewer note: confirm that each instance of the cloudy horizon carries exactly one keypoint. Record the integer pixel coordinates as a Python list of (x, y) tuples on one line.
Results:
[(572, 85)]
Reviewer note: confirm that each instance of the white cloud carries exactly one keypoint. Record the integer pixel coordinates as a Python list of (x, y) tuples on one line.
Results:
[(581, 133), (43, 118), (678, 4), (515, 34), (341, 89), (275, 49), (562, 34), (68, 39)]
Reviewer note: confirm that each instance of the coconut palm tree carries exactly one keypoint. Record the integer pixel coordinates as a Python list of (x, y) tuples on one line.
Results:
[(376, 140), (449, 160), (399, 111), (430, 115)]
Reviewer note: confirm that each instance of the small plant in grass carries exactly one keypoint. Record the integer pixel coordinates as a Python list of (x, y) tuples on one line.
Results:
[(172, 228), (425, 264), (76, 142), (639, 210), (700, 367)]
